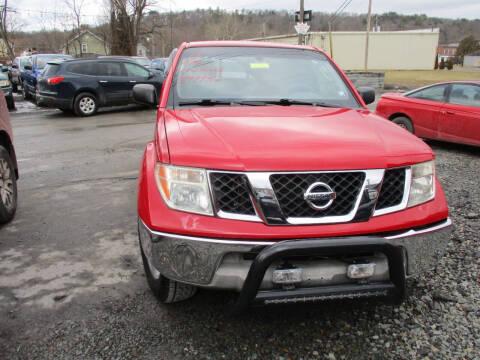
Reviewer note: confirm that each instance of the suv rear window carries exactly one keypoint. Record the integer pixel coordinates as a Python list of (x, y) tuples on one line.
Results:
[(51, 69), (86, 68)]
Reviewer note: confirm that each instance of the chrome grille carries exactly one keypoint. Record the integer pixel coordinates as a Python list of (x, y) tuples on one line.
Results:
[(290, 188), (391, 193), (231, 193)]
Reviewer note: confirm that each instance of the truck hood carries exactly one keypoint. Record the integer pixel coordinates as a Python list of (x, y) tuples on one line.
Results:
[(294, 138)]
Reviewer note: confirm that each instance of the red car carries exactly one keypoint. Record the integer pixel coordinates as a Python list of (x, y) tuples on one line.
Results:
[(267, 175), (446, 111), (8, 166)]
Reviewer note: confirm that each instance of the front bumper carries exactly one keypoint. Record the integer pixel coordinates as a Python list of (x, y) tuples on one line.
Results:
[(247, 266)]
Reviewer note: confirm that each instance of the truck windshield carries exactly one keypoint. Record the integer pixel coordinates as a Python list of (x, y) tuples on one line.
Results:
[(206, 76)]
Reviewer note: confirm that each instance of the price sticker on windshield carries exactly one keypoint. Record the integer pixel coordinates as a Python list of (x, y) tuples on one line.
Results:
[(259, 66)]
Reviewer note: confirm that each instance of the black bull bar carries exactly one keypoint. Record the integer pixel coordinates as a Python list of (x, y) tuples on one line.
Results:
[(395, 289)]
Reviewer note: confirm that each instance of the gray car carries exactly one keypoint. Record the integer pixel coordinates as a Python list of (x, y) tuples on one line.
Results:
[(17, 66)]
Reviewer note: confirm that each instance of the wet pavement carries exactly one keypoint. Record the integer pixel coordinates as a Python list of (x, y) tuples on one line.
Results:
[(72, 284)]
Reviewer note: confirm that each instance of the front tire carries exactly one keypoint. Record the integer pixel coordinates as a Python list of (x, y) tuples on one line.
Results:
[(165, 290), (8, 187), (404, 122), (85, 104)]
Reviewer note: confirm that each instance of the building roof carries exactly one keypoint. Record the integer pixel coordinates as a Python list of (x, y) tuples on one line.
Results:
[(454, 45), (83, 32), (475, 53)]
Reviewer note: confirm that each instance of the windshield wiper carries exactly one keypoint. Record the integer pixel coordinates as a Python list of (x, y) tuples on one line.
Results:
[(205, 102), (288, 102), (283, 102)]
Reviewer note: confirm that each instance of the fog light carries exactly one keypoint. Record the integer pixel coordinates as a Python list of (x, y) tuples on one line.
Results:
[(287, 276), (360, 271)]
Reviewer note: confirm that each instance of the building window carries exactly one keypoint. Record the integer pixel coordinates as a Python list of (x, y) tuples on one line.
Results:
[(84, 48)]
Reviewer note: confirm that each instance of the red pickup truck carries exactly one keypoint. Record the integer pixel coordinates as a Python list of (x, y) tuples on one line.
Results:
[(268, 176)]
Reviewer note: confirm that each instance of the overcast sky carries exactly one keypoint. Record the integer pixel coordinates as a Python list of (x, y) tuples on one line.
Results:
[(38, 14)]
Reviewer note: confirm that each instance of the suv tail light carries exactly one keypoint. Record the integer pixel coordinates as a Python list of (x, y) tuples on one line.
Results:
[(55, 80)]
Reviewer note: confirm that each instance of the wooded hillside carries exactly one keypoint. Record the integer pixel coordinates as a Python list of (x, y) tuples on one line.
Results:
[(164, 31)]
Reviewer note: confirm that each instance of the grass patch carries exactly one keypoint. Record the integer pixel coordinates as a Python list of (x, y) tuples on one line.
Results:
[(417, 78)]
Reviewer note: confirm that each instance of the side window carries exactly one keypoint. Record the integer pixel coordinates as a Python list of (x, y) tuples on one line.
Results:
[(433, 93), (87, 68), (464, 94), (136, 71), (110, 69)]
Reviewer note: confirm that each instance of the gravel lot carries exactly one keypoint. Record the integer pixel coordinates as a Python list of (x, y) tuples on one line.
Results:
[(440, 320)]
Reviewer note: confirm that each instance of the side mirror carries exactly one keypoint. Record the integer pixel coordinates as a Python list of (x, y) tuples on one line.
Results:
[(145, 94), (4, 68), (14, 66), (367, 93), (28, 67)]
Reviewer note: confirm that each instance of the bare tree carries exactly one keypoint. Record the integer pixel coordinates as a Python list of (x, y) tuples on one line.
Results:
[(75, 7), (4, 29), (126, 18)]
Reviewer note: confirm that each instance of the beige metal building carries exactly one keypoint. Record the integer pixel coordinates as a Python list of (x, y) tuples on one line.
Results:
[(472, 60), (388, 50)]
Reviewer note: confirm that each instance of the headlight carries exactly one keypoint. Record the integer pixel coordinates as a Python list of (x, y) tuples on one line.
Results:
[(422, 188), (184, 188), (4, 83)]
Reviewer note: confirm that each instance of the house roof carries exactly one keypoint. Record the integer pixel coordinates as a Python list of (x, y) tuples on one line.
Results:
[(83, 32)]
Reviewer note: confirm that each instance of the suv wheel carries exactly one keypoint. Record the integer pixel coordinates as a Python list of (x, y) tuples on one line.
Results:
[(8, 187), (165, 290), (85, 104)]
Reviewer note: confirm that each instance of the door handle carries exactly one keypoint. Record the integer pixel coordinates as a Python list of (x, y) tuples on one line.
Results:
[(132, 81), (103, 81), (450, 113)]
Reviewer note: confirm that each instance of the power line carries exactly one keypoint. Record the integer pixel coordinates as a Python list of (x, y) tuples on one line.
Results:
[(339, 10)]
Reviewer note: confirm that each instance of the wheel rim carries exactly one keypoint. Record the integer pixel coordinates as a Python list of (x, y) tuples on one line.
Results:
[(7, 193), (87, 105), (403, 126)]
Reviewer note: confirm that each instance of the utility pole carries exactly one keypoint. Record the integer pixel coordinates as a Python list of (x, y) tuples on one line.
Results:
[(330, 38), (300, 19), (368, 33)]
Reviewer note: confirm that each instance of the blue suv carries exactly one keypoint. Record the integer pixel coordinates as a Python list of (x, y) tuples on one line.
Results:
[(83, 86), (34, 68)]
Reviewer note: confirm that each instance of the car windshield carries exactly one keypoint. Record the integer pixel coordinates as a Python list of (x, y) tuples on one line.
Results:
[(219, 75), (42, 60), (143, 61)]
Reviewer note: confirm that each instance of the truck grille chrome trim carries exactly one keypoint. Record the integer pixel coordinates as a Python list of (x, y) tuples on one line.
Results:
[(391, 184), (278, 198), (262, 197)]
